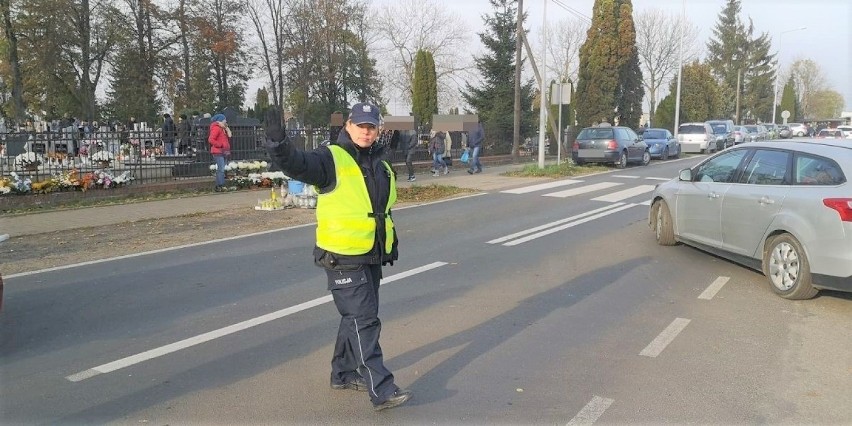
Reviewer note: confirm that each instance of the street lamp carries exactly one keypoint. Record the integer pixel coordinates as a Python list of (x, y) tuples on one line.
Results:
[(679, 69), (778, 69)]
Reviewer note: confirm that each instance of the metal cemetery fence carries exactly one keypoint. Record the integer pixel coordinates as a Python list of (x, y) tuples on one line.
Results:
[(142, 154)]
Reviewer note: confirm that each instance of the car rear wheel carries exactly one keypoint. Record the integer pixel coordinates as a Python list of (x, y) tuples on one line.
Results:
[(800, 134), (786, 265), (622, 160), (646, 158), (662, 223)]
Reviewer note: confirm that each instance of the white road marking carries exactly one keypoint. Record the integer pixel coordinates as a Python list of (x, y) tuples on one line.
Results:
[(224, 331), (667, 336), (548, 225), (218, 240), (568, 225), (645, 203), (583, 189), (592, 411), (714, 288), (625, 194), (658, 178), (626, 176), (541, 186)]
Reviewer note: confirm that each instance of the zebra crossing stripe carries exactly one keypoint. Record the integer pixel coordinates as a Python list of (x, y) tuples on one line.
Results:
[(541, 186), (583, 189), (625, 194)]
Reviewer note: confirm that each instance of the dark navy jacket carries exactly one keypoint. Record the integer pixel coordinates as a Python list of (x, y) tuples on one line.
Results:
[(316, 168)]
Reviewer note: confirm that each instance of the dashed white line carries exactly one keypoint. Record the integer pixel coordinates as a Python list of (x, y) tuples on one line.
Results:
[(667, 336), (591, 412), (658, 178), (541, 186), (551, 224), (224, 331), (568, 225), (626, 176), (714, 288)]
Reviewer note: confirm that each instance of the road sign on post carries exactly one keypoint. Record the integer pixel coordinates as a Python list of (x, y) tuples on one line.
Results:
[(785, 115)]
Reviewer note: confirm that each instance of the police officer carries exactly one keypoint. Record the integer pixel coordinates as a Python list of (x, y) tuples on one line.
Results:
[(355, 237)]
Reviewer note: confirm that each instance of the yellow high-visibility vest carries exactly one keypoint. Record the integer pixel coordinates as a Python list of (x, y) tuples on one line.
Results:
[(345, 220)]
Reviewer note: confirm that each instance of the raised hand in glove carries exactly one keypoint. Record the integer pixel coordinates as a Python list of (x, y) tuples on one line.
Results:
[(272, 126), (277, 143)]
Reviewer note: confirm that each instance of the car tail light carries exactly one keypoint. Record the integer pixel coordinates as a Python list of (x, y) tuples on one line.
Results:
[(576, 146), (612, 145), (842, 205)]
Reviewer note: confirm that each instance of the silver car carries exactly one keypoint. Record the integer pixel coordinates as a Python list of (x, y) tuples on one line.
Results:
[(784, 208)]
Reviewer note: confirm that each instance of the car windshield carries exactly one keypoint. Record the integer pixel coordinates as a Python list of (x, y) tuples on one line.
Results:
[(654, 134), (691, 129), (719, 128), (595, 133), (751, 129)]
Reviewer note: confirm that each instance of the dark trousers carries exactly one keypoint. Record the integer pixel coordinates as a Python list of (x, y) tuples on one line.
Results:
[(410, 163), (357, 350)]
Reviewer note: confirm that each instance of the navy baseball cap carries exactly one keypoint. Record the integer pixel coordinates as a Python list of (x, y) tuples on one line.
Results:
[(363, 113)]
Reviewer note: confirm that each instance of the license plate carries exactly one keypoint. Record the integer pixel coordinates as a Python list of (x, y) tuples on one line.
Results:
[(591, 153)]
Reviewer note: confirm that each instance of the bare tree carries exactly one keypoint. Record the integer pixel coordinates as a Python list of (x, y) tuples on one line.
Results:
[(563, 47), (270, 19), (808, 80), (658, 38), (412, 25)]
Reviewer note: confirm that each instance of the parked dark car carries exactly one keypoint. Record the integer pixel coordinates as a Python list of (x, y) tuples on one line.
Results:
[(608, 144), (723, 130), (661, 143), (755, 133), (784, 132)]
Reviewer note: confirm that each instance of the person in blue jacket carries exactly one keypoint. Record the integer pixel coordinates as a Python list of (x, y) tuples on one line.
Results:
[(355, 238)]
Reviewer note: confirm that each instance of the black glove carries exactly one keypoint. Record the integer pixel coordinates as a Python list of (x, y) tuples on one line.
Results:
[(272, 126), (277, 143)]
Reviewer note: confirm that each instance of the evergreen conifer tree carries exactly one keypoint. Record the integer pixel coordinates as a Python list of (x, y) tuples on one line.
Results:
[(494, 99), (789, 101), (424, 96), (610, 81), (130, 94), (726, 53)]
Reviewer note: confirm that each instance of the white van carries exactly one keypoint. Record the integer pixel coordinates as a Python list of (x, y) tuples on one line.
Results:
[(696, 137)]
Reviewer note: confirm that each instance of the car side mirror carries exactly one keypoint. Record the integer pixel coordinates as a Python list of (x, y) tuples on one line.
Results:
[(685, 175)]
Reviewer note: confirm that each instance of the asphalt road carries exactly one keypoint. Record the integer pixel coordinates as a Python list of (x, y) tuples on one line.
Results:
[(532, 305)]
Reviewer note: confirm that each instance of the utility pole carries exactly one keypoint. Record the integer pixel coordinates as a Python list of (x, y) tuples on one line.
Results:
[(542, 126), (516, 122), (538, 77), (739, 73)]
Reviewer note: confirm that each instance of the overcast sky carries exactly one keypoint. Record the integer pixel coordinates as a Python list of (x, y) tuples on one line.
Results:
[(827, 38)]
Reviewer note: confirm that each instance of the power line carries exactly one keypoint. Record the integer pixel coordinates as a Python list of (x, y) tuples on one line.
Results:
[(572, 11)]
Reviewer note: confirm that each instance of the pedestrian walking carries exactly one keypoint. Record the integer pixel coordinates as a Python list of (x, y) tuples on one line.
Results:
[(219, 139), (355, 238), (411, 139), (436, 149), (477, 135), (448, 152)]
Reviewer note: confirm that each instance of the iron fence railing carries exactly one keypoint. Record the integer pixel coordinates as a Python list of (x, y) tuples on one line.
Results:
[(142, 154)]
